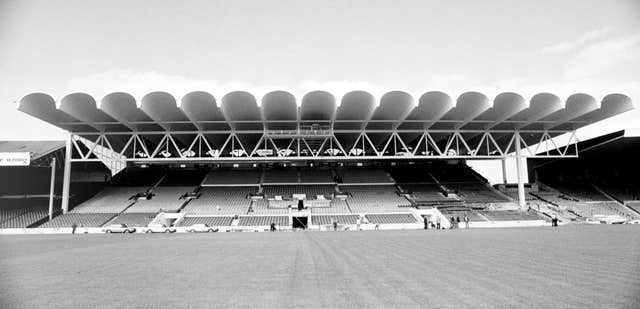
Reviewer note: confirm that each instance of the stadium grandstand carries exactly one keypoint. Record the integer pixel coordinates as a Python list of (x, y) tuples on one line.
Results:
[(588, 188), (239, 164)]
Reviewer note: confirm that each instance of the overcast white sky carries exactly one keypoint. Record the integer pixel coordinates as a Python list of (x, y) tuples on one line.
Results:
[(59, 47)]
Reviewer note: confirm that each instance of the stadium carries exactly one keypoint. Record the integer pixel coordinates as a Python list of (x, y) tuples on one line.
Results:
[(361, 164), (319, 154), (381, 172)]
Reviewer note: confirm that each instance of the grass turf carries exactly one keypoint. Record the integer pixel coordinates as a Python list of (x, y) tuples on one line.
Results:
[(571, 266)]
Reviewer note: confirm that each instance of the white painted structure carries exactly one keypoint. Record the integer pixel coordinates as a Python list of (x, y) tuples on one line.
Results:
[(395, 128)]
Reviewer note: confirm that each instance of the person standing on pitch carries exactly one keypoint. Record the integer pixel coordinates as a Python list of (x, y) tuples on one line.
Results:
[(457, 222), (426, 222), (437, 222), (466, 221)]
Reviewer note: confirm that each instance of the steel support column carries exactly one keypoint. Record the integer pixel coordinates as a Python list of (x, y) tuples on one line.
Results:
[(66, 177), (519, 170), (504, 170), (52, 187)]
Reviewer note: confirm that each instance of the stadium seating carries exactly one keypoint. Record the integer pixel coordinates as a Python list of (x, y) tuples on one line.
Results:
[(138, 177), (311, 191), (455, 174), (510, 215), (591, 209), (476, 193), (628, 192), (80, 219), (316, 176), (109, 200), (232, 177), (231, 200), (210, 221), (22, 213), (391, 218), (181, 177), (263, 220), (410, 175), (262, 207), (424, 192), (11, 208), (473, 216), (337, 206), (164, 199), (581, 192), (587, 208), (366, 199), (280, 176), (364, 175), (317, 203), (134, 219), (514, 195), (328, 219), (634, 205), (26, 219)]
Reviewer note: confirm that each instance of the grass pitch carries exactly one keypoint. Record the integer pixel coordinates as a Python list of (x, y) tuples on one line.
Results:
[(570, 266)]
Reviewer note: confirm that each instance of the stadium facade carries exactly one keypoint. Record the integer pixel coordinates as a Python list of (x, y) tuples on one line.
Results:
[(260, 159)]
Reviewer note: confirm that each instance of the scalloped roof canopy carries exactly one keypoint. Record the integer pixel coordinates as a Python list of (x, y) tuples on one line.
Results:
[(356, 110)]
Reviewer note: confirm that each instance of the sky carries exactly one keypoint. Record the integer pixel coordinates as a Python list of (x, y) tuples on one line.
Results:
[(98, 47)]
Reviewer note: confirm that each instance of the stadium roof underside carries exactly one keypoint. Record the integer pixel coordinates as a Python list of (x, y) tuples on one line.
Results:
[(624, 145), (201, 128)]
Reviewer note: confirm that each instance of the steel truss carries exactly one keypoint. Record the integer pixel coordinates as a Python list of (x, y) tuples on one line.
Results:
[(281, 145)]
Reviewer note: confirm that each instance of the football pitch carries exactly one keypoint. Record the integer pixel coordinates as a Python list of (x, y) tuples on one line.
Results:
[(571, 266)]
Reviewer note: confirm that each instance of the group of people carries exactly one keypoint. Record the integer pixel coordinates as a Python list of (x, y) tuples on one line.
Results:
[(454, 222)]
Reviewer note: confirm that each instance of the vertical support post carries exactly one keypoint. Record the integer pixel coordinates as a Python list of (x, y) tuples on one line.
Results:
[(52, 187), (66, 177), (504, 171), (519, 169)]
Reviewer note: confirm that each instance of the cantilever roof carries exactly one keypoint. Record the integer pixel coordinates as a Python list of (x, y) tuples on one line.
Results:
[(357, 110), (436, 112)]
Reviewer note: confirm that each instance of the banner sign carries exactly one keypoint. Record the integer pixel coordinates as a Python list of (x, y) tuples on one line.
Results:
[(264, 152), (15, 159)]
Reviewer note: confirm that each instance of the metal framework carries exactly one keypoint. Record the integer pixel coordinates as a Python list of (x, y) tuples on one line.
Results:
[(216, 146)]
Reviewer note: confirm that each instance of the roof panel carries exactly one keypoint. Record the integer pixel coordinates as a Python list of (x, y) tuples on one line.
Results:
[(318, 105), (468, 106), (394, 107), (162, 108), (43, 107), (201, 108), (83, 107), (505, 105), (611, 105), (355, 108), (431, 107), (122, 107), (577, 105), (119, 113), (541, 105), (241, 110), (280, 106)]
